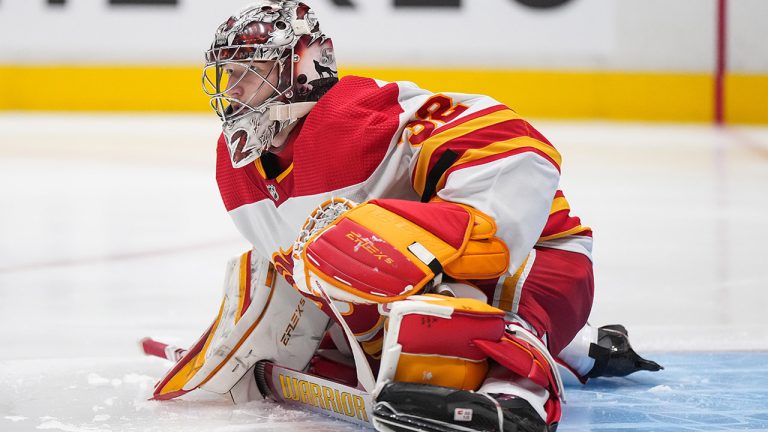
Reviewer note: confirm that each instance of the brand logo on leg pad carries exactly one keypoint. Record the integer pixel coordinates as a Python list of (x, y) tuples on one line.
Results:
[(294, 322), (462, 414)]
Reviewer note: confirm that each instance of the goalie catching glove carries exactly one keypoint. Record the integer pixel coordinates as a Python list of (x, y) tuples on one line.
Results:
[(386, 250)]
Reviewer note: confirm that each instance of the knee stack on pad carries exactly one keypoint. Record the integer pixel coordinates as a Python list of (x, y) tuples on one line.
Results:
[(451, 342)]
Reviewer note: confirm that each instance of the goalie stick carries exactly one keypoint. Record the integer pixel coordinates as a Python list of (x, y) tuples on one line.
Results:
[(438, 409), (293, 387)]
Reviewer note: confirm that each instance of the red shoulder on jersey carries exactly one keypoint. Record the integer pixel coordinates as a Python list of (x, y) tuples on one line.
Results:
[(345, 136), (343, 140)]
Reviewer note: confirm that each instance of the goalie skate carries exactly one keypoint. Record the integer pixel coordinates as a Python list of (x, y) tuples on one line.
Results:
[(404, 406), (614, 356)]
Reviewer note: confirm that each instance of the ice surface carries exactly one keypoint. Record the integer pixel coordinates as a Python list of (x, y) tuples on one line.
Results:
[(111, 229), (696, 392)]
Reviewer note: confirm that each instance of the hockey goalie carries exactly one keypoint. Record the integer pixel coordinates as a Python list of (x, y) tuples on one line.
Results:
[(413, 245)]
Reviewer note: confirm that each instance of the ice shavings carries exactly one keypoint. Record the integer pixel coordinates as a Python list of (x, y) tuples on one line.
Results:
[(65, 427), (134, 378), (97, 380), (143, 381), (15, 418), (660, 389)]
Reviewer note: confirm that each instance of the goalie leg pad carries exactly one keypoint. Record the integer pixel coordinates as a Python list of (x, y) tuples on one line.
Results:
[(521, 353), (261, 318), (429, 340), (446, 341)]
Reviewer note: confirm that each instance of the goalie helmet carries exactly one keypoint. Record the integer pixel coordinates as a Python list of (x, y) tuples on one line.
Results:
[(266, 68)]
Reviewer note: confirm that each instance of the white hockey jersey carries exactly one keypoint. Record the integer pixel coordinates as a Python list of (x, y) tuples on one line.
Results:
[(369, 139)]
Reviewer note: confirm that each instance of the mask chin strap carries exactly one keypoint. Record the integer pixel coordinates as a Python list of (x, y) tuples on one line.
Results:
[(290, 112)]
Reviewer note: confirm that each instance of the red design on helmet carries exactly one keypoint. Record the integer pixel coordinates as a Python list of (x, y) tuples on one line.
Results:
[(254, 33), (282, 31)]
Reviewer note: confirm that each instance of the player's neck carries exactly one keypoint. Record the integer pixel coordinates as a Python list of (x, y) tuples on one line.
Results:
[(284, 142), (285, 158)]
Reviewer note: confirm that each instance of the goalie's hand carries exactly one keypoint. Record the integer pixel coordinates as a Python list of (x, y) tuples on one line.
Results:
[(386, 250)]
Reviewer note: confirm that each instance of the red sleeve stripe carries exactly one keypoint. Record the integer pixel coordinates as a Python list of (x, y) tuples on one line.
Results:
[(481, 133), (530, 130), (468, 117), (562, 224)]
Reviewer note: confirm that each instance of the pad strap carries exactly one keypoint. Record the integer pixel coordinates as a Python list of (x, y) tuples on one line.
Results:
[(517, 352)]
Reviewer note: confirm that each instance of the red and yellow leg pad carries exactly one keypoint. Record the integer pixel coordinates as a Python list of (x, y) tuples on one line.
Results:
[(449, 342)]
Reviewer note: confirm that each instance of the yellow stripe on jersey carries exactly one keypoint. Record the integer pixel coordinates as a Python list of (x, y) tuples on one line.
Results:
[(434, 142), (575, 230), (558, 204), (285, 173), (260, 168), (505, 146), (509, 288)]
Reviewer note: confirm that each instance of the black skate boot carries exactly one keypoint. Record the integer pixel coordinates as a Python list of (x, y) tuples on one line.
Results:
[(614, 356), (404, 407)]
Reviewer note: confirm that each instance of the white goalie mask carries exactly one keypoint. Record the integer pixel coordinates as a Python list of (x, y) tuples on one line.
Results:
[(266, 68)]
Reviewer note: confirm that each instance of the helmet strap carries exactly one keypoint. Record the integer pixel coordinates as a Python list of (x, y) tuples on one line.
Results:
[(290, 112)]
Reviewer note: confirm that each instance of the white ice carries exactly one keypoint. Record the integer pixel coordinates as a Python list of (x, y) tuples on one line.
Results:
[(111, 228)]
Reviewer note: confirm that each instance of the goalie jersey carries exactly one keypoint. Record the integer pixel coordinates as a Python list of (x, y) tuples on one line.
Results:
[(368, 139)]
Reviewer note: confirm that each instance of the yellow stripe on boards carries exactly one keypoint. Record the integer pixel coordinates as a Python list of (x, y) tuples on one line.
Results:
[(589, 94), (746, 99), (103, 88), (575, 94), (434, 142)]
